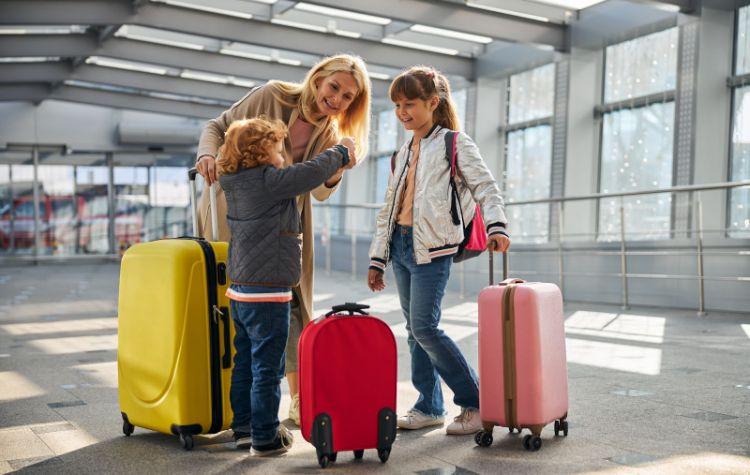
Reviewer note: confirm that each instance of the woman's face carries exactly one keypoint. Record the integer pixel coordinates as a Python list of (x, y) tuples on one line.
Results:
[(336, 93)]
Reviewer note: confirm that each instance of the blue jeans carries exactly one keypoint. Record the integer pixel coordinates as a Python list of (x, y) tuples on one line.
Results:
[(433, 353), (261, 330)]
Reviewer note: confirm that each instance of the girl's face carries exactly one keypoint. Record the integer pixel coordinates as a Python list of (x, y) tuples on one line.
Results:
[(335, 93), (415, 114), (275, 155)]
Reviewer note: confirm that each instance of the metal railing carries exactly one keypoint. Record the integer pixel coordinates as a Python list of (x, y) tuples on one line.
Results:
[(327, 225)]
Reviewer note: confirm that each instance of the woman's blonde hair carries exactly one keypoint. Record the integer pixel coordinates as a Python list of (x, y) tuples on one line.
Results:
[(248, 143), (355, 120), (424, 82)]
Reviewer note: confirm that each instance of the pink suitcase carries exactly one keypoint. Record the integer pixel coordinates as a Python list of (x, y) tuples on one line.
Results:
[(523, 376)]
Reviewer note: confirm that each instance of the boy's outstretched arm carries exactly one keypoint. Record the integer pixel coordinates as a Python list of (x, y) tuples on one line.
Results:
[(303, 177)]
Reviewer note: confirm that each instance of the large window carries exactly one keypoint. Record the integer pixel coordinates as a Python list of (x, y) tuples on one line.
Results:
[(638, 135), (529, 152), (739, 198)]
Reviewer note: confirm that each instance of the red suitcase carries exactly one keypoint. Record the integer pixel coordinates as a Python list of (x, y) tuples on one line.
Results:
[(347, 371), (523, 377)]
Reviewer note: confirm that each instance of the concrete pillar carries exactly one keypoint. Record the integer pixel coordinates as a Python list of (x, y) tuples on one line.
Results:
[(489, 116)]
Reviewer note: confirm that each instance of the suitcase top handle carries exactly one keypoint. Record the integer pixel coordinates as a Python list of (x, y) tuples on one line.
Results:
[(350, 307)]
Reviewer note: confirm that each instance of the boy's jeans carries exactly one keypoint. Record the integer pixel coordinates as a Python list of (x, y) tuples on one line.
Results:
[(261, 332), (421, 289)]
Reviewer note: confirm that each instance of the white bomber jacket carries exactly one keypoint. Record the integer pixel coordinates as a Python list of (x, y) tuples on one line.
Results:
[(434, 233)]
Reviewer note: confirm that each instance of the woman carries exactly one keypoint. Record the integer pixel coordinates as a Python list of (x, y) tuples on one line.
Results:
[(333, 101)]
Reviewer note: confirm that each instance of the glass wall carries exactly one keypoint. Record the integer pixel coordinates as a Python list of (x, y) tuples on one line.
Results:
[(529, 152), (637, 142), (739, 199), (74, 210)]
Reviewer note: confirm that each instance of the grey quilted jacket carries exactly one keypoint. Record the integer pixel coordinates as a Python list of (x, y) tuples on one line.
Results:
[(266, 244)]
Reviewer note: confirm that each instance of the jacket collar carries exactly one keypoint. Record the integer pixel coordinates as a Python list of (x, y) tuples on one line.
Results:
[(433, 130)]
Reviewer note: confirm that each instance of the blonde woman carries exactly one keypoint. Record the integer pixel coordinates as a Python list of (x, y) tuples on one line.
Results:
[(332, 102)]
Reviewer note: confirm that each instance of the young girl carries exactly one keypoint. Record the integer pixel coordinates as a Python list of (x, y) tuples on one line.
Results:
[(416, 233), (265, 256)]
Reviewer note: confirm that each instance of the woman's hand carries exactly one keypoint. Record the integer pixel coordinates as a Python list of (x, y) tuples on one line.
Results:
[(206, 166), (498, 243), (375, 280)]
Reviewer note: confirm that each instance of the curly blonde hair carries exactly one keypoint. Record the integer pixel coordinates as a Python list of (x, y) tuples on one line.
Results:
[(248, 143)]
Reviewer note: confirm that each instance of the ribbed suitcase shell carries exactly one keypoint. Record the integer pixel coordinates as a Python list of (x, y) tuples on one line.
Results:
[(174, 368), (540, 370), (347, 370)]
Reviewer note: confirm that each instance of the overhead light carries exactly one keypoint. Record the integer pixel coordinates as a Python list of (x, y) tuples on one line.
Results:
[(30, 59), (127, 65), (43, 30), (124, 32), (342, 13), (667, 7), (296, 24), (204, 8), (382, 76), (451, 34), (572, 4), (199, 76), (348, 34), (409, 44), (290, 62), (245, 54), (507, 12), (242, 82)]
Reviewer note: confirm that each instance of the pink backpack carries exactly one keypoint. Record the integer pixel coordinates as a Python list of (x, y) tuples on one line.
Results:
[(475, 233)]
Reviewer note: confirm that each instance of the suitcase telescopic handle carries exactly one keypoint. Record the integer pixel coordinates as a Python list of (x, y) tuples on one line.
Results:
[(192, 173), (350, 307), (492, 266)]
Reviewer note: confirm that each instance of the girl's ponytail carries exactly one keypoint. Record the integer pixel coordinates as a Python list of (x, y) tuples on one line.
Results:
[(424, 82)]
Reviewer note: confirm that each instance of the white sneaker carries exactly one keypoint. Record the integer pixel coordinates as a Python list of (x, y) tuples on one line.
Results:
[(415, 419), (468, 422), (294, 409)]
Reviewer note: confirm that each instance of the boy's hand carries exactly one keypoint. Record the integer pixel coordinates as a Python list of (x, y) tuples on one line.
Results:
[(498, 243), (375, 280), (349, 143)]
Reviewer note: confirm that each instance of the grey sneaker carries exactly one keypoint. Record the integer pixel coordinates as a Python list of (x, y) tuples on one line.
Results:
[(242, 440), (281, 444), (294, 409), (415, 419), (468, 422)]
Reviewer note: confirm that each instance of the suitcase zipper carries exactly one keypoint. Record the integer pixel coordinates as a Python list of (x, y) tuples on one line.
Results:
[(213, 328)]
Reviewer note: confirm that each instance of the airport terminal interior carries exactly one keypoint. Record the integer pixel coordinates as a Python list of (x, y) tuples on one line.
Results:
[(618, 132)]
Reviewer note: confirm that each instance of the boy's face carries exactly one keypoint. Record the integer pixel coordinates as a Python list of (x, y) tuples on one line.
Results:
[(275, 155)]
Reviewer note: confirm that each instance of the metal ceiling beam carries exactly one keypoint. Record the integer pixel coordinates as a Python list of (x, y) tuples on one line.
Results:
[(34, 72), (131, 50), (24, 92), (460, 18), (134, 102), (261, 33)]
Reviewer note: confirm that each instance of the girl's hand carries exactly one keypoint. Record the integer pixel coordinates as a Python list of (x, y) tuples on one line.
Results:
[(375, 280), (498, 243), (206, 166)]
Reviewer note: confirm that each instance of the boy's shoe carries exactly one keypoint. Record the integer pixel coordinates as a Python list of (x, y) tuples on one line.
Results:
[(468, 422), (242, 440), (294, 409), (281, 444), (415, 419)]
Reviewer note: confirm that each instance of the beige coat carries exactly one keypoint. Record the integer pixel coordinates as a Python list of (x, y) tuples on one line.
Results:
[(258, 102)]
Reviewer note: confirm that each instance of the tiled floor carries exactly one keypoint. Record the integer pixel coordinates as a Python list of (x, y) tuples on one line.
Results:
[(650, 390)]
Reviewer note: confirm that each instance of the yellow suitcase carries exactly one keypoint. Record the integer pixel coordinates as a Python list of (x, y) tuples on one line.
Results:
[(174, 352)]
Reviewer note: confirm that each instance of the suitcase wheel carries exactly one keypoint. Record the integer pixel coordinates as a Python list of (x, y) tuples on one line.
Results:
[(561, 426), (358, 454), (332, 457), (186, 441), (532, 443), (323, 460), (127, 428), (483, 438), (383, 454)]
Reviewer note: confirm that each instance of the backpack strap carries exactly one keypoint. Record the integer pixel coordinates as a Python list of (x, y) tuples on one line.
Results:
[(451, 138)]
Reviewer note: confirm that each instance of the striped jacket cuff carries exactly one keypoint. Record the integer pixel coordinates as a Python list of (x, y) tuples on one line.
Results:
[(377, 264), (497, 228)]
